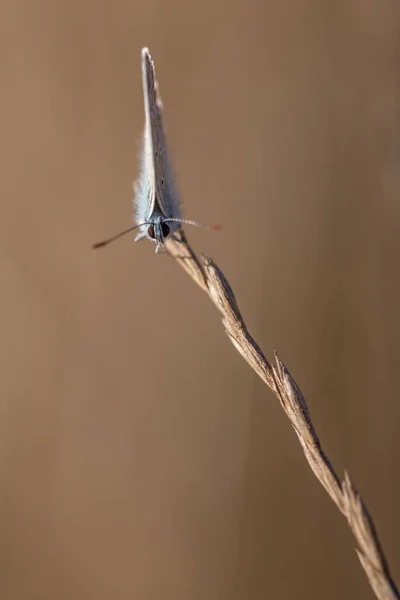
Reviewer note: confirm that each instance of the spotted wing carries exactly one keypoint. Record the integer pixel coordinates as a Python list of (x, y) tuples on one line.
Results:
[(162, 195)]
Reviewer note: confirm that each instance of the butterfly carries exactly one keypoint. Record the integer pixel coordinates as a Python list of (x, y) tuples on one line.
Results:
[(156, 201)]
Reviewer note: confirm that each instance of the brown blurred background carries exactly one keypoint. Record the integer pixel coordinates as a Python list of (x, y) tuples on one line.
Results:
[(139, 455)]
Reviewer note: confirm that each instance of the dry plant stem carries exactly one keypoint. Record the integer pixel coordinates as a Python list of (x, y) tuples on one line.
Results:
[(211, 279)]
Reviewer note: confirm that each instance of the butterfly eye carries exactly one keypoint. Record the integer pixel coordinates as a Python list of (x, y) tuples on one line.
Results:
[(150, 232), (165, 229)]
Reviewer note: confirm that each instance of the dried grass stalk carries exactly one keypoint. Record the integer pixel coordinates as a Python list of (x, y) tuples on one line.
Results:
[(211, 279)]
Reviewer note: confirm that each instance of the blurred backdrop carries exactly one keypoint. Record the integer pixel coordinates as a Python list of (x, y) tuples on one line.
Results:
[(139, 455)]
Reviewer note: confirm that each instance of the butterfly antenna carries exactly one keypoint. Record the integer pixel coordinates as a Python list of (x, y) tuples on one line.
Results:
[(195, 223), (115, 237)]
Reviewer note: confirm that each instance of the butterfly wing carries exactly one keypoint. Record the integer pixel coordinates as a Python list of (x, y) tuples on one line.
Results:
[(144, 189), (162, 194)]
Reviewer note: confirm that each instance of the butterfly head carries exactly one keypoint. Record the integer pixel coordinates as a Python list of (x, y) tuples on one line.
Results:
[(158, 231)]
